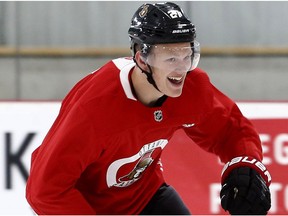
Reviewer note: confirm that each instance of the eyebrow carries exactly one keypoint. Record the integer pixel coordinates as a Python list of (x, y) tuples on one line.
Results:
[(177, 51)]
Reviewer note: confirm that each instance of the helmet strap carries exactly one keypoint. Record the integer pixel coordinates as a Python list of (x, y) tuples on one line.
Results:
[(148, 75)]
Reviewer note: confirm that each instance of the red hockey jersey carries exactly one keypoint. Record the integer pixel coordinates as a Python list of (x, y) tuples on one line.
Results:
[(102, 154)]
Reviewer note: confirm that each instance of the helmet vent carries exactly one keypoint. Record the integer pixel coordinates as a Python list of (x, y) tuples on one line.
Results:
[(155, 15)]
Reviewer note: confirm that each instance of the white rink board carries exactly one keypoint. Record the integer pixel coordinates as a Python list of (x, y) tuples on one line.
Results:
[(264, 110), (18, 119)]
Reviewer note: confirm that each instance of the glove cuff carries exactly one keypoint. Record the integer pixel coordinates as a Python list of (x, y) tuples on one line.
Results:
[(248, 162)]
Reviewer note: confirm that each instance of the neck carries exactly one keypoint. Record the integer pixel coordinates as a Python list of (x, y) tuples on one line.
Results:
[(145, 92)]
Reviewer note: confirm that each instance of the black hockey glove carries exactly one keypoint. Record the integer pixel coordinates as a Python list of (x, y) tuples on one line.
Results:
[(245, 187)]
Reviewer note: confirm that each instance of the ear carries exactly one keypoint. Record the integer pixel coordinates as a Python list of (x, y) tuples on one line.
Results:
[(140, 61)]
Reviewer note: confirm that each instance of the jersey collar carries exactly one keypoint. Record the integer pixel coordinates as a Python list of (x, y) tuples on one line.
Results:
[(125, 65)]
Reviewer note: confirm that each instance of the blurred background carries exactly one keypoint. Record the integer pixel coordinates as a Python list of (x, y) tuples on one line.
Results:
[(46, 47)]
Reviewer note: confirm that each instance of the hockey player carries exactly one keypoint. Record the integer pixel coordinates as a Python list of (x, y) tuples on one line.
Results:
[(102, 154)]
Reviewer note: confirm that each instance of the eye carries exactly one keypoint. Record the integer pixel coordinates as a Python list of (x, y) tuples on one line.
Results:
[(188, 58), (172, 59)]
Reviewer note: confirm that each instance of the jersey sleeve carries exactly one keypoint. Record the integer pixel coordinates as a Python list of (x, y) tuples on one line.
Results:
[(58, 163), (224, 131)]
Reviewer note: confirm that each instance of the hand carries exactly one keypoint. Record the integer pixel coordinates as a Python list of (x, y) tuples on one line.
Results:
[(244, 190)]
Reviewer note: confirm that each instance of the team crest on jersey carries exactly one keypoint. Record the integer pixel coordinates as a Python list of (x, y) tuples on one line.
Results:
[(143, 163), (158, 116), (142, 160)]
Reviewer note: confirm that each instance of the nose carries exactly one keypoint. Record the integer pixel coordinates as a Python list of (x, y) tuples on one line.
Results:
[(183, 66)]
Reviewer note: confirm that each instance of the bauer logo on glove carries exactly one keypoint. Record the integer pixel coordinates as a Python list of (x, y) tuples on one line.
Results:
[(245, 187)]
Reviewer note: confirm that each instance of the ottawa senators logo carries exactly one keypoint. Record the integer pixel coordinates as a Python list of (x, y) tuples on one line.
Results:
[(138, 170), (143, 159)]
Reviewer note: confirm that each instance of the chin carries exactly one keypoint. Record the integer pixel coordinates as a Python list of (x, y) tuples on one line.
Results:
[(175, 94)]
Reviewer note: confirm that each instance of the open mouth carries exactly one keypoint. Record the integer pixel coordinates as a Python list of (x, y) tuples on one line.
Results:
[(175, 80)]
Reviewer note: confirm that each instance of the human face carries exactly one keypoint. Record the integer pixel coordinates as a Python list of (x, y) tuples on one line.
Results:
[(170, 64)]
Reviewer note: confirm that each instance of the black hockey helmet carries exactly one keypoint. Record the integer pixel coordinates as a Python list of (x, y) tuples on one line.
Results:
[(160, 23)]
